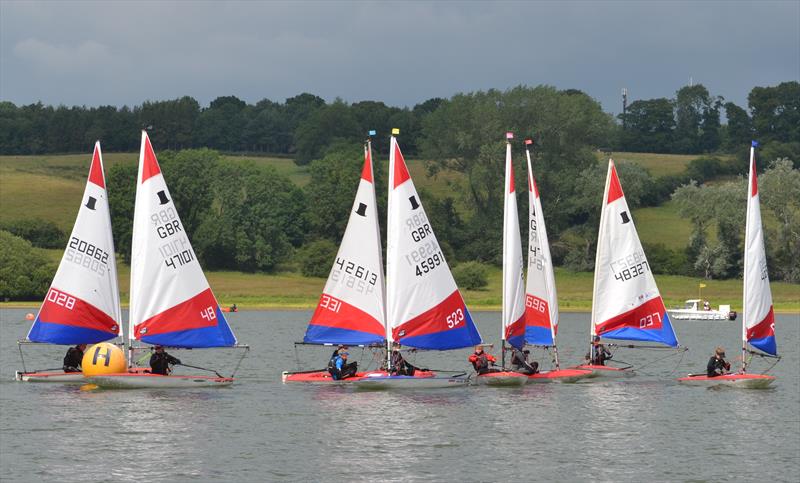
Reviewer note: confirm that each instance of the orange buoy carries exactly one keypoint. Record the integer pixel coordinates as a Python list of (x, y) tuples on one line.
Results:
[(29, 316)]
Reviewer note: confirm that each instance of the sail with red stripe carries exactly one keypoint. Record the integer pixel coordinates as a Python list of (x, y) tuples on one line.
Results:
[(351, 307), (82, 304), (626, 303), (171, 302), (541, 299), (758, 322), (513, 314), (424, 307)]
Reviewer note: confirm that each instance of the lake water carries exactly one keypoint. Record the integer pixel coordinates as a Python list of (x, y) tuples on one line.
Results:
[(644, 428)]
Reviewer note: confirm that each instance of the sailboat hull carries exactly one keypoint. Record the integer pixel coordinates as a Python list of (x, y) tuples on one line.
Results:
[(157, 381), (60, 377), (383, 382), (562, 375), (500, 379), (324, 377), (745, 381), (607, 372)]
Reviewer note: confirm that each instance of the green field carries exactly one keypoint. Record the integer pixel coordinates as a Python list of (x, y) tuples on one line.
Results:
[(658, 164)]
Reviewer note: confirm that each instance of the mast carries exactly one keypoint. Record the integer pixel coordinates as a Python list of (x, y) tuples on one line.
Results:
[(592, 331), (389, 230), (504, 315), (745, 278)]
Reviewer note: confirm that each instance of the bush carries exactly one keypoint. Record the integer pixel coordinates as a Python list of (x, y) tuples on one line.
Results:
[(667, 261), (316, 258), (41, 233), (25, 273), (471, 275)]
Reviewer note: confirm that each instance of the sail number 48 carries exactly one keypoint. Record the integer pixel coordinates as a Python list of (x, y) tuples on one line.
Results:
[(455, 318), (208, 313), (649, 320)]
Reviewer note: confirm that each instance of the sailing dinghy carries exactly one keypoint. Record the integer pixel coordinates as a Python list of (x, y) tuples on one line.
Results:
[(82, 304), (758, 321), (425, 310), (171, 303), (540, 325), (626, 303), (513, 312), (351, 309)]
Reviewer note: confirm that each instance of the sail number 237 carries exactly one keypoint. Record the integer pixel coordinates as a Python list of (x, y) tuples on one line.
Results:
[(455, 318)]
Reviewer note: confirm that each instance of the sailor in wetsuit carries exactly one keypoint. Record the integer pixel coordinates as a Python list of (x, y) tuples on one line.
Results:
[(341, 369), (717, 365), (73, 358), (482, 361), (160, 362), (519, 362), (400, 366), (600, 354)]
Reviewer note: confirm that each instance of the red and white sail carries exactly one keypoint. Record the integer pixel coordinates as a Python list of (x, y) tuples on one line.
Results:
[(82, 304), (626, 303), (351, 308), (541, 299), (513, 314), (171, 302), (758, 322), (424, 307)]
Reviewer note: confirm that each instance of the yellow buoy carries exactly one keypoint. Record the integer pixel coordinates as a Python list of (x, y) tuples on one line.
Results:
[(103, 358)]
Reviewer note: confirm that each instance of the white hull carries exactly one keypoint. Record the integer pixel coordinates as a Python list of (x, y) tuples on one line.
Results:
[(681, 314), (144, 381), (60, 377), (406, 382)]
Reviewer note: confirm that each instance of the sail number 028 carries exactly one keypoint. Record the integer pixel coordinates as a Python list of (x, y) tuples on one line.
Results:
[(455, 318), (60, 298)]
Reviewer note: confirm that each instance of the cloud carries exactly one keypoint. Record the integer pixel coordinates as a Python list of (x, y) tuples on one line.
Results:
[(63, 59)]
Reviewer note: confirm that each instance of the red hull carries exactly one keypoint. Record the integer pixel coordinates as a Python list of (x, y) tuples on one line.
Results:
[(324, 377)]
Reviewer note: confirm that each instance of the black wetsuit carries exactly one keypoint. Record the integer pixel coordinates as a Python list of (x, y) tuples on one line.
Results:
[(717, 367), (601, 355), (73, 359), (400, 366), (159, 363), (519, 362)]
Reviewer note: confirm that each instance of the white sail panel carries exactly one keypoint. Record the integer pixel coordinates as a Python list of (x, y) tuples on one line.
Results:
[(171, 302), (424, 307), (626, 303), (758, 320), (513, 281), (351, 308), (82, 304), (541, 299)]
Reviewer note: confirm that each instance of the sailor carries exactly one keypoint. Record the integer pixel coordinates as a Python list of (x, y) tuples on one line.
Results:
[(519, 362), (482, 362), (600, 354), (73, 358), (341, 368), (161, 362), (717, 365), (400, 366)]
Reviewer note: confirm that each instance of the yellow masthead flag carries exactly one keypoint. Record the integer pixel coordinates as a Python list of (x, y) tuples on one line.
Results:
[(702, 285)]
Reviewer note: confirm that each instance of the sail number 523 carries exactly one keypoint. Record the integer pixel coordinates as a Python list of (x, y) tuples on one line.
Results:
[(455, 318)]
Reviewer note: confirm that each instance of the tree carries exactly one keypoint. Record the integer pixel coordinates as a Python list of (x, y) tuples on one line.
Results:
[(25, 273), (740, 130), (649, 126), (776, 112), (323, 127)]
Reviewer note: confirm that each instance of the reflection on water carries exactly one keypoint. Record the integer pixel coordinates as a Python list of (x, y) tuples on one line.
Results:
[(643, 428)]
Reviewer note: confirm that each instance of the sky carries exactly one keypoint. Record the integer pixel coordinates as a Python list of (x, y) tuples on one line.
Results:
[(402, 53)]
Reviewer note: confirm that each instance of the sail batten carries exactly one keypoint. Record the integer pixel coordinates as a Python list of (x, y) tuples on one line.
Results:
[(82, 304), (171, 302), (758, 319), (424, 307), (626, 303)]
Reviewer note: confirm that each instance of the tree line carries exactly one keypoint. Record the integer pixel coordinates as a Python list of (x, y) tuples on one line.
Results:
[(303, 125)]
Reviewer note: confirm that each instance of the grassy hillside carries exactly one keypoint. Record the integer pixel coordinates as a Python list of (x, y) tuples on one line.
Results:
[(657, 164)]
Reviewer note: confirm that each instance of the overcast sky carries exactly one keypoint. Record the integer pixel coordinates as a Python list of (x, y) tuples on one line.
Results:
[(97, 53)]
